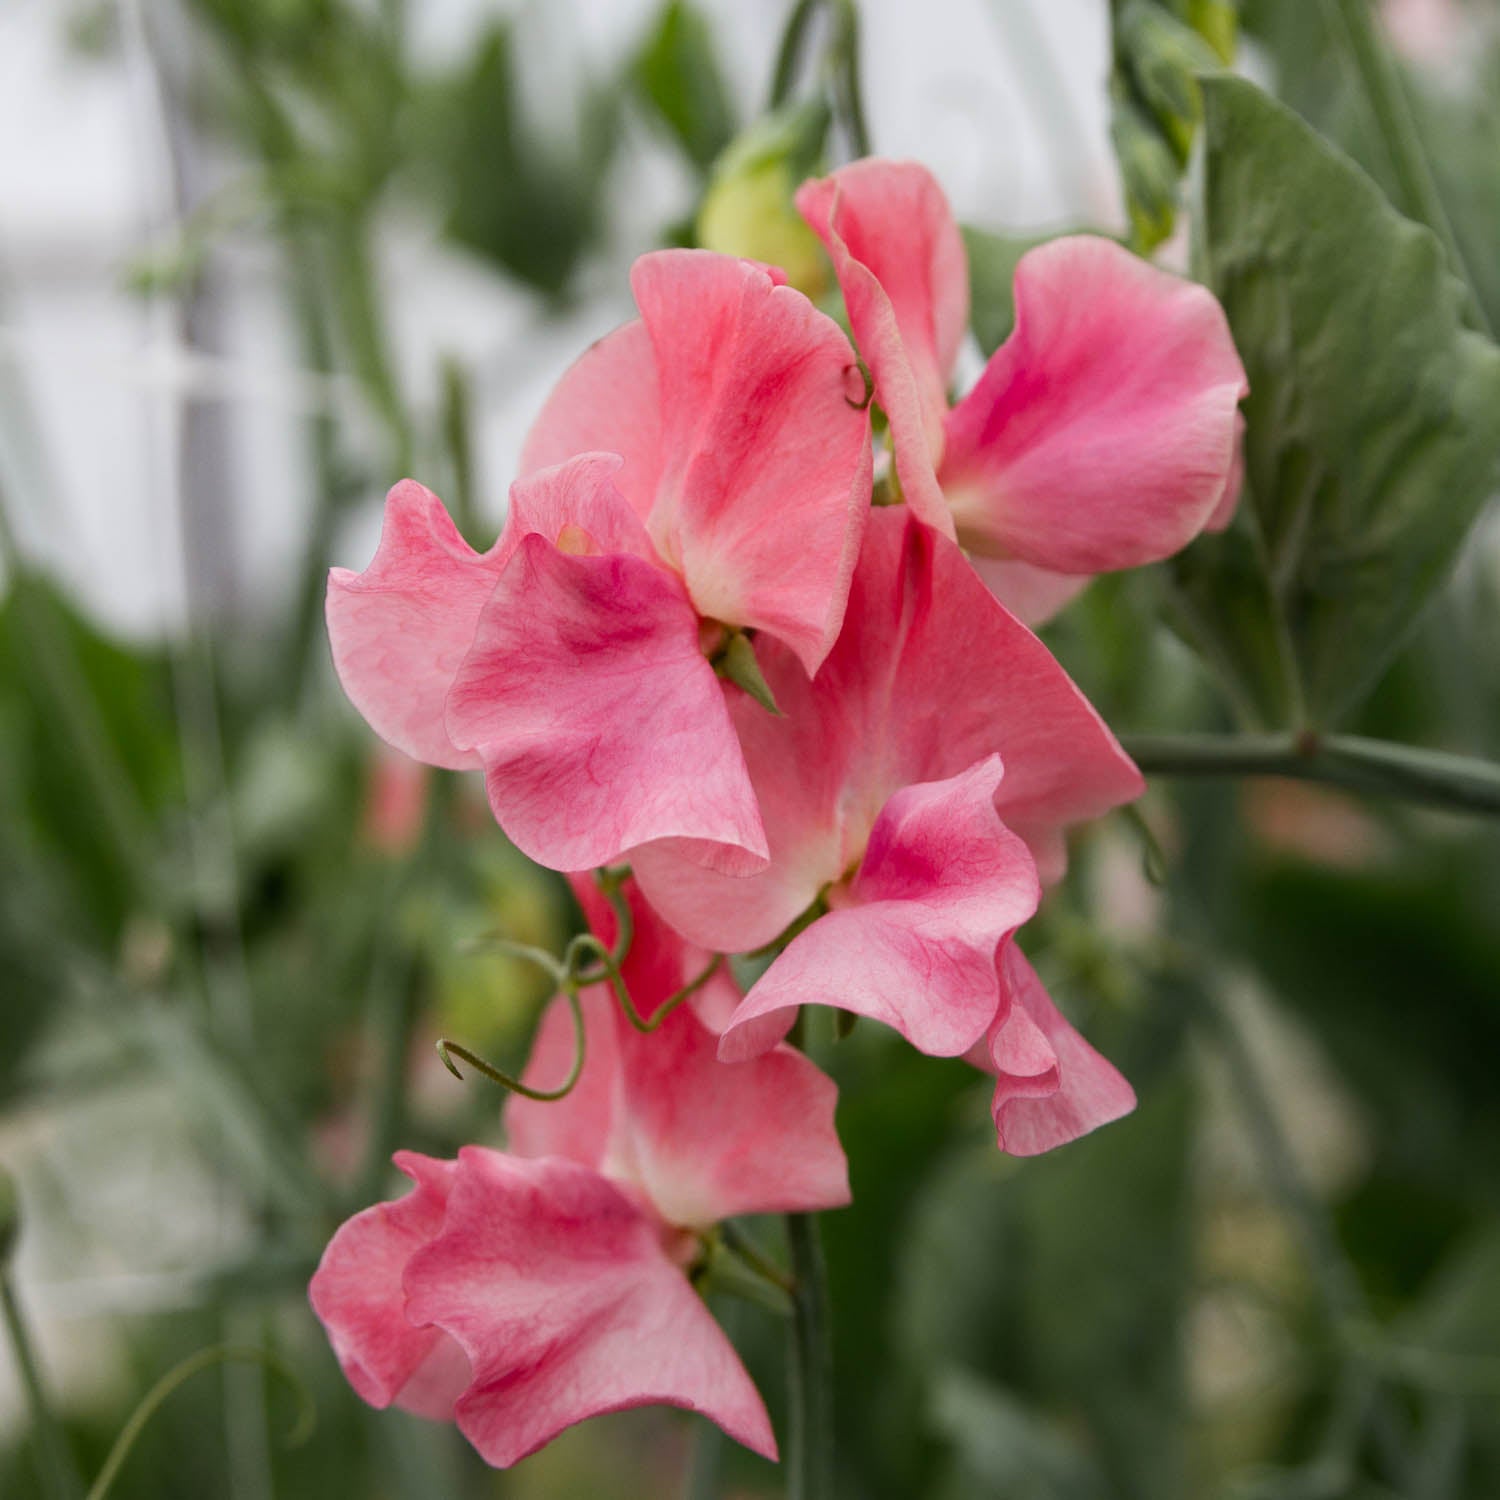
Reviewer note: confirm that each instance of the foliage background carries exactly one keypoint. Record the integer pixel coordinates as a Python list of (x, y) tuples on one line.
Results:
[(231, 927)]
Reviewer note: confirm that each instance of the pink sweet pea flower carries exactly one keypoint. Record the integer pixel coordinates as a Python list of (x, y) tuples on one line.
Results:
[(1101, 435), (883, 790), (737, 408), (518, 1293), (569, 660)]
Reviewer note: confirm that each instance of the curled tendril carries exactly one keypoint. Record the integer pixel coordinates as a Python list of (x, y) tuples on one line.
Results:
[(204, 1359), (448, 1050), (869, 380)]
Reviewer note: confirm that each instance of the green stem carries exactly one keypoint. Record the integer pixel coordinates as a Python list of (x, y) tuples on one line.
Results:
[(54, 1464), (810, 1459), (789, 53), (1430, 778), (1354, 21), (204, 1359)]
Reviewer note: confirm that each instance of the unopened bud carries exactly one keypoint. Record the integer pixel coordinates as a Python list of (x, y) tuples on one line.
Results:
[(748, 208)]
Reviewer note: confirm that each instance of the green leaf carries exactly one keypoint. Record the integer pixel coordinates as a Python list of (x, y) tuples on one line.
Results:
[(993, 259), (677, 74), (520, 197), (1372, 439)]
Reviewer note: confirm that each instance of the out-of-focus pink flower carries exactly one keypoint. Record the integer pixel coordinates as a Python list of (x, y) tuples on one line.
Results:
[(569, 660), (1101, 435), (1430, 33), (518, 1293), (395, 802), (883, 790)]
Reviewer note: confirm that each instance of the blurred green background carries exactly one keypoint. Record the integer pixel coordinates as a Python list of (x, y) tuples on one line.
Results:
[(232, 925)]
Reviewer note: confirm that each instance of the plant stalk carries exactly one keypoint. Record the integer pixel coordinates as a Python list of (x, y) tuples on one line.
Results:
[(810, 1460), (54, 1464), (1428, 778), (1354, 23)]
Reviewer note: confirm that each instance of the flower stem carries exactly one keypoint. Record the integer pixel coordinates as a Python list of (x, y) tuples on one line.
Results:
[(1430, 778), (54, 1465), (810, 1461), (1354, 23)]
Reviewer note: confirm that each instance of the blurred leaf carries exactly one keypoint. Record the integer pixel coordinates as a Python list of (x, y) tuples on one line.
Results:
[(677, 73), (1371, 437), (1005, 1449), (993, 259), (1158, 49), (528, 203)]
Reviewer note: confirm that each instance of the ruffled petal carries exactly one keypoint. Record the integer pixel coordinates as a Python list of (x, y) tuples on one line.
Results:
[(357, 1294), (607, 401), (1051, 1087), (942, 884), (700, 1141), (1102, 433), (901, 265), (400, 629), (600, 724), (558, 1289), (577, 506), (765, 478)]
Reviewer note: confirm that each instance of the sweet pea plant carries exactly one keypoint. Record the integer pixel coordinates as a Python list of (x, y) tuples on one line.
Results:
[(754, 666)]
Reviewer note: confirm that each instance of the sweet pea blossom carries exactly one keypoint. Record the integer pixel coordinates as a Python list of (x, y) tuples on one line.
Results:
[(883, 789), (1101, 435), (711, 475), (519, 1292)]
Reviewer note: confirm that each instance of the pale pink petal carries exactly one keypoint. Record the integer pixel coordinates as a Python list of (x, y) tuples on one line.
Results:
[(797, 773), (700, 1140), (1051, 1086), (942, 884), (558, 1289), (400, 629), (765, 478), (1101, 435), (577, 506), (712, 1141), (600, 724), (1032, 595), (357, 1294), (901, 265), (608, 401), (1228, 501)]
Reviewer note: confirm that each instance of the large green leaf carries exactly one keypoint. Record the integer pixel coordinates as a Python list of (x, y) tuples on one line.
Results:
[(1372, 434)]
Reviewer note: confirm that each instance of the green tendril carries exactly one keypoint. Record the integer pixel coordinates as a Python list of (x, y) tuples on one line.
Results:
[(448, 1050), (179, 1374)]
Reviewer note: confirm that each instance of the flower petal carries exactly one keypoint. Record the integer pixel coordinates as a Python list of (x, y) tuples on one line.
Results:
[(929, 676), (1101, 434), (578, 507), (600, 723), (901, 265), (559, 1291), (1032, 595), (702, 1141), (357, 1294), (942, 884), (765, 478), (400, 629), (608, 401), (1051, 1086)]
